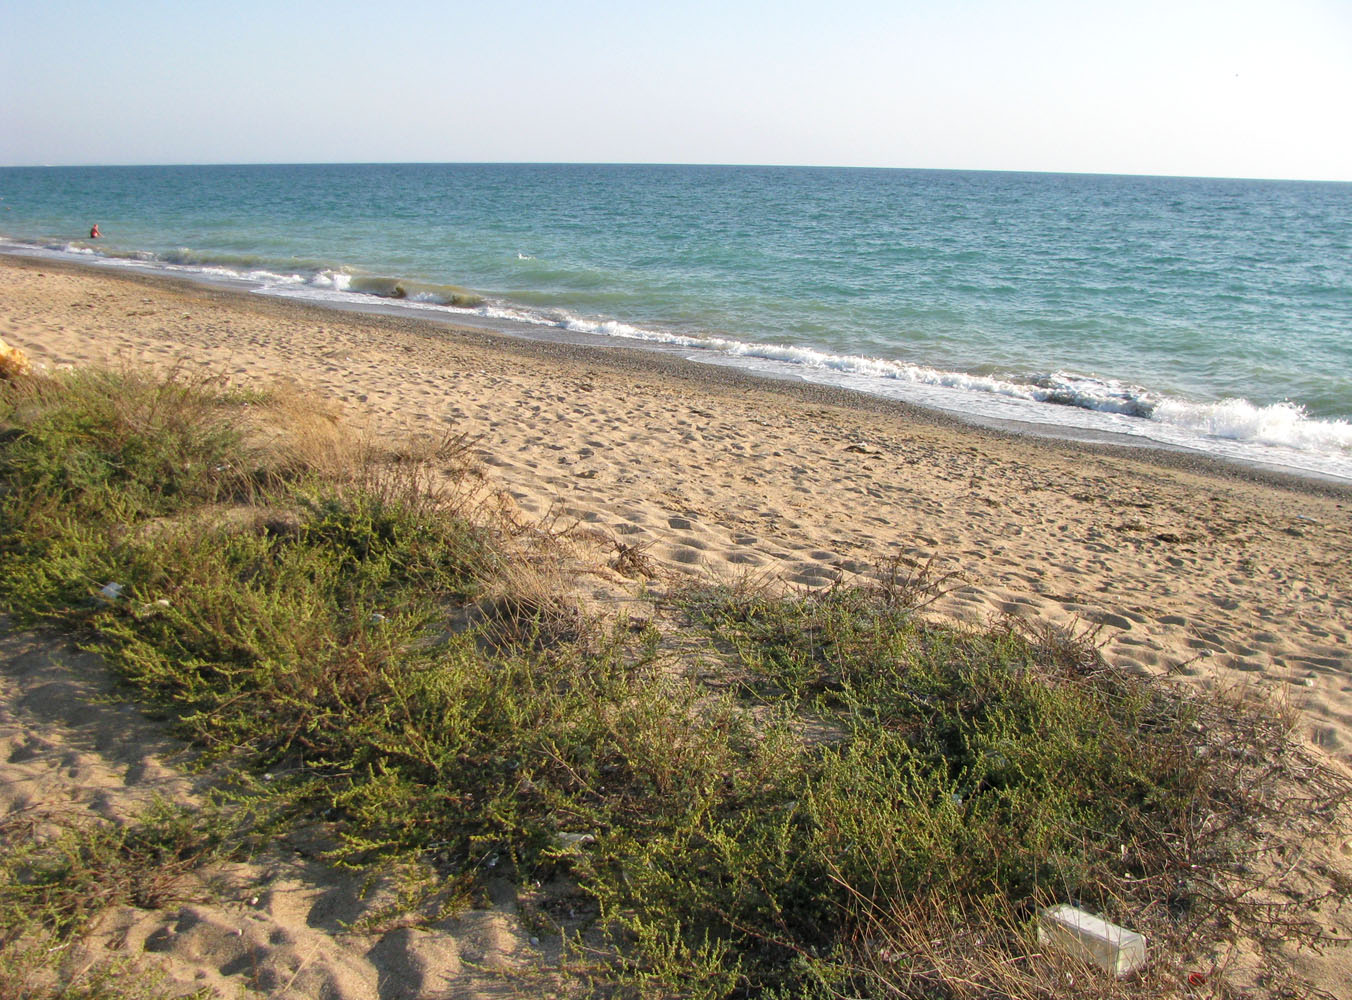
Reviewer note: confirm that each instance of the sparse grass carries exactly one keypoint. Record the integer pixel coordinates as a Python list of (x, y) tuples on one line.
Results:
[(877, 808), (58, 874), (89, 866)]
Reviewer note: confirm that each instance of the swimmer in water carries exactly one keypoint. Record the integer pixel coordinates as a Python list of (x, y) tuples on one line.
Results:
[(94, 231)]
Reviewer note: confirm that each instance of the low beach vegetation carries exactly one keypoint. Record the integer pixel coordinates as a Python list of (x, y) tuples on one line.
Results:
[(753, 792), (60, 870)]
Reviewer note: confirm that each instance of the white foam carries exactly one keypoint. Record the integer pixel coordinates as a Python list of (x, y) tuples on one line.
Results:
[(1107, 395), (336, 280), (274, 278), (1284, 424)]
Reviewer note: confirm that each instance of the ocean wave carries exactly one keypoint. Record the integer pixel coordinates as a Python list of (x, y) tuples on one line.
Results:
[(1283, 425), (265, 272), (1091, 393), (188, 257), (414, 291), (339, 281), (271, 273), (1060, 388)]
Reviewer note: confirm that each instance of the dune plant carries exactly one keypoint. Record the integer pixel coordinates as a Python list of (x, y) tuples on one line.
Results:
[(54, 887), (813, 793)]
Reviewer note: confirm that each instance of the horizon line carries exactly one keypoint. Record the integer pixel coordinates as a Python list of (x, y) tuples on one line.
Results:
[(661, 163)]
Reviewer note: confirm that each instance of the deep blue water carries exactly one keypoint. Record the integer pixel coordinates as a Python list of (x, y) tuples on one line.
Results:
[(1210, 314)]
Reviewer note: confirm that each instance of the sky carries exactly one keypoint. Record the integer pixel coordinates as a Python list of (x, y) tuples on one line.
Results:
[(1222, 88)]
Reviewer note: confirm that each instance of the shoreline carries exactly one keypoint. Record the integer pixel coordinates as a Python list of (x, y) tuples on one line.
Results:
[(591, 349), (1047, 420), (1224, 576)]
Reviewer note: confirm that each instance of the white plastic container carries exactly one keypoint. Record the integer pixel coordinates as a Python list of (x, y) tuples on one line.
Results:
[(1091, 939)]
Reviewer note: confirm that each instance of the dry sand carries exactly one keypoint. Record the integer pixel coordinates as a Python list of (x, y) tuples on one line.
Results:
[(1221, 575)]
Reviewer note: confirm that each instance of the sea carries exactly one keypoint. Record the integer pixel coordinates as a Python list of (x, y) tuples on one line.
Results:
[(1208, 315)]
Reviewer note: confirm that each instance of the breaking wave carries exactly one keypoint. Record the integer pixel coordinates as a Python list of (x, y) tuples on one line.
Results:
[(1283, 424)]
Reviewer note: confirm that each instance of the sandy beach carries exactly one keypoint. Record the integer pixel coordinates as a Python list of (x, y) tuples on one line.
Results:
[(1226, 576), (1190, 567)]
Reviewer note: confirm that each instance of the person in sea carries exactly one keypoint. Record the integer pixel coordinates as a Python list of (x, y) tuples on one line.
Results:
[(94, 231)]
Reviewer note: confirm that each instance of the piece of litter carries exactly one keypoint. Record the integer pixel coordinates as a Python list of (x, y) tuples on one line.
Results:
[(376, 618), (111, 591), (566, 840), (1091, 939)]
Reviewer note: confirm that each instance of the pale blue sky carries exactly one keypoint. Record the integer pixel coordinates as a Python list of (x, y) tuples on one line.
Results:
[(1203, 87)]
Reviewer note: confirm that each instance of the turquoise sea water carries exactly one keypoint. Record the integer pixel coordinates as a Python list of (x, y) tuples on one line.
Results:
[(1207, 314)]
